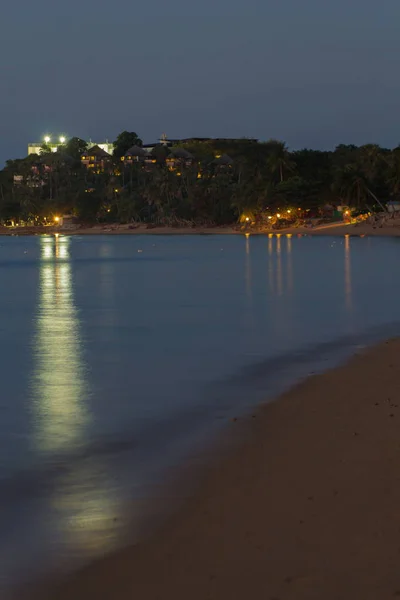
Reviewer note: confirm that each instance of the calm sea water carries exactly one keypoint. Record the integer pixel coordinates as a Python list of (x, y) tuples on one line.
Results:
[(120, 353)]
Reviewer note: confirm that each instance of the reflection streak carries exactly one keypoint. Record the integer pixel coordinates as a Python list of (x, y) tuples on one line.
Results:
[(248, 279), (84, 499), (59, 385), (271, 263), (289, 262), (88, 501), (279, 264), (347, 273)]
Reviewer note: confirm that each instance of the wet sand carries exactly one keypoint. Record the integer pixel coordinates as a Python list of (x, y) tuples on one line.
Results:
[(306, 507)]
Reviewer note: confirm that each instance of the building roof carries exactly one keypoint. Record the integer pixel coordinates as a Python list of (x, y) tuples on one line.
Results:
[(97, 152), (56, 157), (180, 153), (135, 151), (224, 160), (208, 139)]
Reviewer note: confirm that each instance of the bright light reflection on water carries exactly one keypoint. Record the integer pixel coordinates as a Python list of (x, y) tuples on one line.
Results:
[(59, 385), (84, 501)]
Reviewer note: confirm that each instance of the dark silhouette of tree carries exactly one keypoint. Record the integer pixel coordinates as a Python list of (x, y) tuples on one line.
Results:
[(75, 147), (124, 141)]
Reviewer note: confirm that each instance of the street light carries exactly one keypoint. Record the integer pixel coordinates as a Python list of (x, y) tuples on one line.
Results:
[(47, 139), (62, 139)]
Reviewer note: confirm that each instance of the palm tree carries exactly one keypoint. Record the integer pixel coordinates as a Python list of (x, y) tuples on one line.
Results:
[(393, 175), (371, 161), (351, 185), (279, 161)]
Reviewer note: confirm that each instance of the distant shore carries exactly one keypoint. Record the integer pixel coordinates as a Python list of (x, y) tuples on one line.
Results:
[(305, 508), (336, 229)]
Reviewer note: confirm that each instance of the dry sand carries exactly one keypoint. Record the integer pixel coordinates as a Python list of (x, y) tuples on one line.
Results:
[(360, 229), (307, 507)]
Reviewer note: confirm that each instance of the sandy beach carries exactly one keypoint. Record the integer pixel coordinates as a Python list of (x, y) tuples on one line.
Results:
[(305, 507), (390, 228)]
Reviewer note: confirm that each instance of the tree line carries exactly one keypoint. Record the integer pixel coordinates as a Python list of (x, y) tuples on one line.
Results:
[(224, 180)]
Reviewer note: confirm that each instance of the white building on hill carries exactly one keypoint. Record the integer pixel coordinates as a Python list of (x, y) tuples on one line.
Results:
[(55, 143)]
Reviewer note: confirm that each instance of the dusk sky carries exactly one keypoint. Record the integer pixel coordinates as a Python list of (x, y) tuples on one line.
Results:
[(308, 72)]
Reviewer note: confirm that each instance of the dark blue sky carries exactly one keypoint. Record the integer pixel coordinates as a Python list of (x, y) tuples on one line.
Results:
[(310, 72)]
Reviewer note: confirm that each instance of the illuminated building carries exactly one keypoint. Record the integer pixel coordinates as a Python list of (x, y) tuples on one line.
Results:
[(223, 162), (96, 158), (56, 142), (178, 157), (134, 154)]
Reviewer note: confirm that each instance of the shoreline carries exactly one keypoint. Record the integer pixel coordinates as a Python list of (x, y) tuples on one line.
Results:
[(305, 506), (339, 230)]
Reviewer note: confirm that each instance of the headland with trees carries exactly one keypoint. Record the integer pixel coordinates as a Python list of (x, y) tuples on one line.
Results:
[(205, 182)]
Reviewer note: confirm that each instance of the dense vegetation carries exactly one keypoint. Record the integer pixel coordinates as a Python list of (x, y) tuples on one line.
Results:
[(257, 180)]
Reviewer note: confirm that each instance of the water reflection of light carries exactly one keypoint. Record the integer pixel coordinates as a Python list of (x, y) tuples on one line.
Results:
[(289, 262), (247, 244), (84, 498), (47, 252), (248, 278), (271, 263), (347, 273), (59, 387), (279, 264), (89, 502)]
